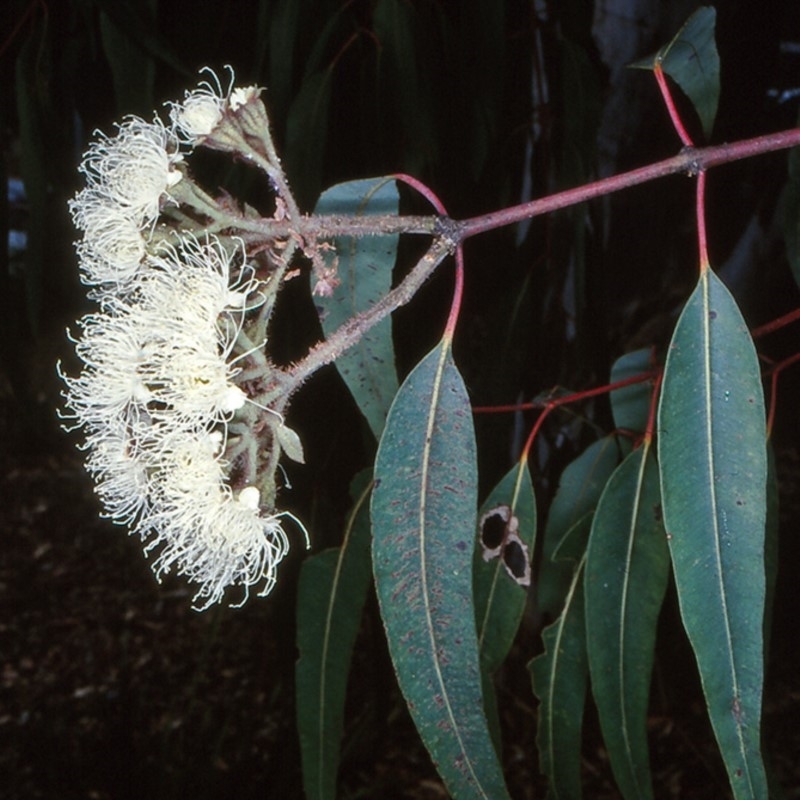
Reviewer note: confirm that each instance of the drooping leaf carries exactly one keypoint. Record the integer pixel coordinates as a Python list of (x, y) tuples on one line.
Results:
[(627, 568), (579, 490), (331, 595), (692, 61), (559, 681), (364, 267), (572, 546), (423, 520), (712, 453), (630, 405), (500, 598)]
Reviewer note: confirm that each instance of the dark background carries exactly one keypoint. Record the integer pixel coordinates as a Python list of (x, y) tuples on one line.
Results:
[(111, 686)]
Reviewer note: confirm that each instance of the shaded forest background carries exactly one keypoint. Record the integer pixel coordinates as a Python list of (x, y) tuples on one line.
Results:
[(111, 686)]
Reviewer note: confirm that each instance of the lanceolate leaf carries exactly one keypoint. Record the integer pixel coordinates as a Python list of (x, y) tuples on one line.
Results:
[(423, 520), (364, 267), (499, 599), (579, 490), (712, 451), (331, 595), (559, 681), (627, 567)]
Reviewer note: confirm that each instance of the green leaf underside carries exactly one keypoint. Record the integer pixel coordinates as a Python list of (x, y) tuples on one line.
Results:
[(630, 405), (331, 595), (579, 490), (627, 569), (559, 681), (365, 271), (423, 520), (712, 451), (692, 61)]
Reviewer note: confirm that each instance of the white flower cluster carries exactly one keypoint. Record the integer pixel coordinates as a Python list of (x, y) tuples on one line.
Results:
[(203, 109), (157, 391), (127, 176)]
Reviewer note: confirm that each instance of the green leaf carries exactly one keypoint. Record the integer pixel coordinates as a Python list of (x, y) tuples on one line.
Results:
[(364, 267), (331, 595), (630, 405), (423, 520), (712, 450), (771, 539), (579, 490), (499, 599), (692, 61), (559, 681), (627, 569)]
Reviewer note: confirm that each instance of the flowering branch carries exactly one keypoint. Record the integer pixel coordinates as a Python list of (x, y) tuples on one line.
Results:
[(181, 407)]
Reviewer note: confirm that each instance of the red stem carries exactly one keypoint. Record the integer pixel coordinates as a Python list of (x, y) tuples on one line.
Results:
[(690, 161), (458, 289), (776, 371), (570, 398), (670, 104), (702, 238), (776, 324)]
